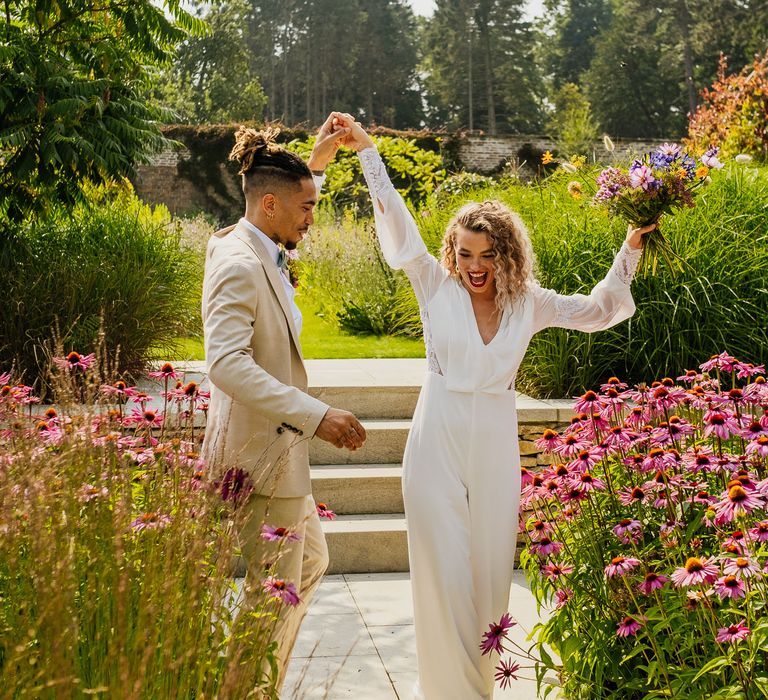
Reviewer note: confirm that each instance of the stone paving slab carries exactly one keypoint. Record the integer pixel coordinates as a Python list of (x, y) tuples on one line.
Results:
[(357, 641)]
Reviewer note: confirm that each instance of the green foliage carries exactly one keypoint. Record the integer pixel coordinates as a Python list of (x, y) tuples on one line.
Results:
[(461, 183), (72, 105), (572, 123), (111, 263)]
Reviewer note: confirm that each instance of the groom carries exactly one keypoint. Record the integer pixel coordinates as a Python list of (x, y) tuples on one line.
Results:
[(261, 417)]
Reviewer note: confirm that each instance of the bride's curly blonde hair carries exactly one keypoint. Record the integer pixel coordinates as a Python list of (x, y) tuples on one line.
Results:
[(512, 251)]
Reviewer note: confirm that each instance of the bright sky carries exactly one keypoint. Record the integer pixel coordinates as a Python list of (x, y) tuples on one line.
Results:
[(427, 7)]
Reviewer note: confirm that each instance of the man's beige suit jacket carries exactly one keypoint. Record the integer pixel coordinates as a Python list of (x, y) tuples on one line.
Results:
[(260, 419)]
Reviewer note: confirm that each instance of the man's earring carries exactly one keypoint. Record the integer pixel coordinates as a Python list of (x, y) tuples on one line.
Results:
[(270, 215)]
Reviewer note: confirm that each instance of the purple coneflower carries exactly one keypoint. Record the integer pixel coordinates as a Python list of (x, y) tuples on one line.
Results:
[(545, 546), (571, 445), (325, 512), (555, 571), (281, 590), (696, 571), (278, 534), (74, 360), (732, 633), (620, 566), (165, 372), (496, 634), (629, 626), (538, 529), (729, 587), (759, 533), (723, 361), (740, 567), (563, 595), (145, 418), (235, 485), (758, 447), (549, 440), (737, 501), (628, 530), (721, 424), (150, 521), (89, 492), (505, 673), (746, 370), (652, 582), (628, 496), (588, 402), (586, 459)]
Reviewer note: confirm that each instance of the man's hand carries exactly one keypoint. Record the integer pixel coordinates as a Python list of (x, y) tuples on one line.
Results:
[(328, 140), (341, 429), (635, 235), (357, 137)]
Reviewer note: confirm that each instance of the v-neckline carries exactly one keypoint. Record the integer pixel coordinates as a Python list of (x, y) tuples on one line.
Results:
[(474, 318)]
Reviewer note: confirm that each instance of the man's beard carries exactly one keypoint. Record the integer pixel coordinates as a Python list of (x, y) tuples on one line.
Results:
[(290, 245)]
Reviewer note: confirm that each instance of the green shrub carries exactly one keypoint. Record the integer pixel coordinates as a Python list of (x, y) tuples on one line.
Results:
[(113, 263), (461, 183)]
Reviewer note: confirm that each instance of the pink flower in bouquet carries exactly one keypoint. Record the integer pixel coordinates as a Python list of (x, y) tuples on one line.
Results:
[(729, 587), (695, 572), (732, 633), (620, 566), (735, 502), (641, 176), (165, 372), (281, 590), (740, 567), (497, 632), (710, 158), (629, 626), (652, 582), (278, 534), (74, 361), (505, 673)]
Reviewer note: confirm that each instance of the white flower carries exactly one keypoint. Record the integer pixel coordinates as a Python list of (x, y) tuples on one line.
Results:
[(743, 158), (608, 144), (568, 167)]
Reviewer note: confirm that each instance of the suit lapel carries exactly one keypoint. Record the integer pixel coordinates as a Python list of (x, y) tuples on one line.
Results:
[(273, 275)]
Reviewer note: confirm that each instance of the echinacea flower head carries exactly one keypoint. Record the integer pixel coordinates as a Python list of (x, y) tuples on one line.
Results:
[(696, 571), (620, 566), (554, 571), (549, 440), (628, 530), (236, 485), (165, 372), (629, 626), (652, 582), (494, 638), (281, 590), (545, 546), (729, 587), (75, 361), (563, 595), (736, 502), (740, 567), (150, 521), (759, 532), (89, 492), (278, 534), (325, 512), (732, 633), (505, 673)]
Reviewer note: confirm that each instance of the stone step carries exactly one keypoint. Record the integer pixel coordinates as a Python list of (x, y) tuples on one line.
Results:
[(384, 444), (371, 402), (361, 544), (357, 489)]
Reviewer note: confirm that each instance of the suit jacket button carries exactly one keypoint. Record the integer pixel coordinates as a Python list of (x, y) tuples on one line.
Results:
[(285, 425), (301, 432), (279, 430)]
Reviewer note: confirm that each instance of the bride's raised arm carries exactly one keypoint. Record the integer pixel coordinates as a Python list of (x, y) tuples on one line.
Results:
[(398, 235)]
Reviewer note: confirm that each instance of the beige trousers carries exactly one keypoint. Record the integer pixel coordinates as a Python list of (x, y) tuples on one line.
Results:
[(302, 563)]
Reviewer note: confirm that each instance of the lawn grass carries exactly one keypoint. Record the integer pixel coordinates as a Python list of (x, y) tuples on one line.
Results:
[(321, 339)]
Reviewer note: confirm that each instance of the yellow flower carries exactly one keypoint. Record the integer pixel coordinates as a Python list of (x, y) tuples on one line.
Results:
[(578, 161), (574, 189), (702, 171), (547, 158)]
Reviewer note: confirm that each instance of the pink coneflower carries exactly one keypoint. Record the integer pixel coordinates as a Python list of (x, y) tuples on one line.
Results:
[(699, 460), (538, 529), (754, 430), (278, 534), (665, 397), (89, 492), (723, 361), (74, 361), (652, 582), (150, 521), (145, 418), (703, 497), (759, 533), (281, 590), (563, 595), (629, 626), (720, 424), (555, 571), (758, 447), (729, 587), (589, 402), (732, 633), (747, 369), (525, 477), (497, 632), (5, 378), (690, 376), (613, 383), (628, 530), (587, 482), (740, 567), (628, 495), (620, 436), (586, 459), (737, 501), (696, 571), (505, 673), (572, 444), (638, 415), (325, 512), (658, 459), (545, 546), (165, 372), (620, 566), (735, 543), (549, 440), (236, 485)]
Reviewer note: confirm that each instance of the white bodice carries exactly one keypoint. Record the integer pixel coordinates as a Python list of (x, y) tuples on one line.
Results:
[(453, 343)]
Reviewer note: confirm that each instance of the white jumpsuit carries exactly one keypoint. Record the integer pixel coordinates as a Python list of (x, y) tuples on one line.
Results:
[(461, 469)]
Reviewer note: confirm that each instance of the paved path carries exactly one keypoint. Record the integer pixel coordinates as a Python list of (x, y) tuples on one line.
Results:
[(357, 641)]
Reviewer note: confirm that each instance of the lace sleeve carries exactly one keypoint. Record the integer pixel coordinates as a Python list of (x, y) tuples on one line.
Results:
[(626, 262), (375, 173)]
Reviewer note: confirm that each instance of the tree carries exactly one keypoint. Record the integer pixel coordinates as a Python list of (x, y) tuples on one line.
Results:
[(72, 95), (572, 124)]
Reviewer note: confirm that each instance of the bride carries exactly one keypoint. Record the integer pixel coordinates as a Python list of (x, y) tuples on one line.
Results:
[(480, 305)]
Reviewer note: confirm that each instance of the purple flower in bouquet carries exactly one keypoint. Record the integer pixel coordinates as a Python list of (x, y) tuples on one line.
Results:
[(505, 673), (695, 572), (729, 587), (629, 626), (652, 582), (496, 634), (620, 566), (710, 158), (641, 176), (671, 151), (281, 590), (732, 633)]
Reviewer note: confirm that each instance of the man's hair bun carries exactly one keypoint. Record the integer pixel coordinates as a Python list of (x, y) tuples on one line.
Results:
[(251, 146)]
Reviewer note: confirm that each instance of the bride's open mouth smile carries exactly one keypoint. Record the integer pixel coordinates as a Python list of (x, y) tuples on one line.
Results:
[(477, 279)]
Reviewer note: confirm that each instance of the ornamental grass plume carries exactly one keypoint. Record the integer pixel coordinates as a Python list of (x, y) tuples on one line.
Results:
[(116, 548), (658, 585)]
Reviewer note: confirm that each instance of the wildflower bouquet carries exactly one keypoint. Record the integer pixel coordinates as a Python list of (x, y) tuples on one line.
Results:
[(649, 539), (116, 546), (658, 183)]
